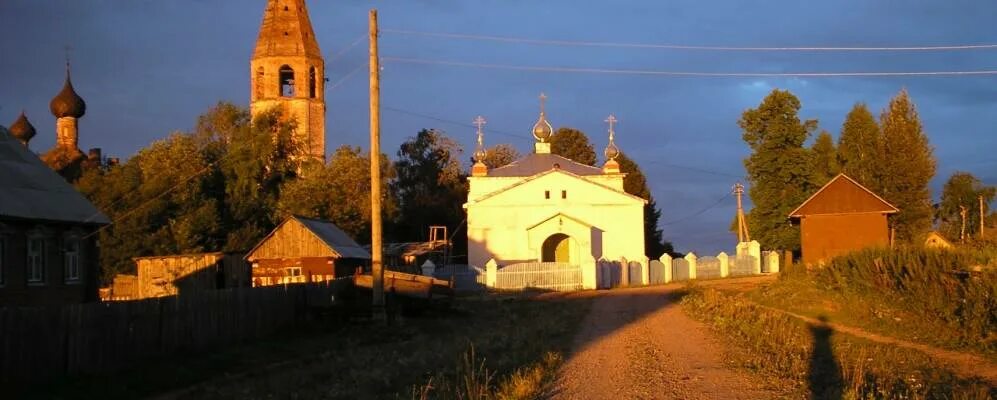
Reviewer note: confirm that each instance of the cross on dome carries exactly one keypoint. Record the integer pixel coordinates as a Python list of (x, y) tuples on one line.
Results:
[(480, 153), (611, 151), (542, 130)]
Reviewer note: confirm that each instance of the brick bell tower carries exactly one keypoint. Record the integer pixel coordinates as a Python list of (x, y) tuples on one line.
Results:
[(288, 71)]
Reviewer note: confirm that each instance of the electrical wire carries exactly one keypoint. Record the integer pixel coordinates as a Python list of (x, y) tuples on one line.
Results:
[(698, 213), (509, 39), (648, 72)]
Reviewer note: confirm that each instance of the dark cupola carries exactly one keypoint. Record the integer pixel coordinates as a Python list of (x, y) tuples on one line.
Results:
[(22, 130), (67, 103)]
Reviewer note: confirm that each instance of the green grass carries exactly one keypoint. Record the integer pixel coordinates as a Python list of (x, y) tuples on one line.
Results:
[(782, 350), (926, 296), (517, 346)]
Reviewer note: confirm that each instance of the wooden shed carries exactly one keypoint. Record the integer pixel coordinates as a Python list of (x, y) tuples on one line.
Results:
[(170, 275), (841, 217), (305, 250)]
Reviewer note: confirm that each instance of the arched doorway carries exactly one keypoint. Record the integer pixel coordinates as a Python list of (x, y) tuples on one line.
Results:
[(557, 248)]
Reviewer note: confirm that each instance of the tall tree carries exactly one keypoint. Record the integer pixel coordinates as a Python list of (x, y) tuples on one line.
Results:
[(860, 147), (908, 157), (779, 168), (635, 183), (500, 155), (962, 190), (573, 144), (825, 158), (431, 187)]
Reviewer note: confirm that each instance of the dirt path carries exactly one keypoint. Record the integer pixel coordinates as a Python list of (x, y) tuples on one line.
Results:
[(962, 364), (638, 344)]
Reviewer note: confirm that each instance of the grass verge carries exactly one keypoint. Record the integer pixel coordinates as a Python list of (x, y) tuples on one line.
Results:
[(814, 360)]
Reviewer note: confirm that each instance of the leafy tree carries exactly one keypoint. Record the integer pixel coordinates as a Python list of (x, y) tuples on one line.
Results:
[(860, 146), (339, 192), (962, 189), (825, 158), (635, 183), (500, 155), (908, 158), (780, 169), (573, 144), (430, 186)]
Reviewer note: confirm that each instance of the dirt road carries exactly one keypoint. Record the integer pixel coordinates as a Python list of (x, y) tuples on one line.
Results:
[(638, 344)]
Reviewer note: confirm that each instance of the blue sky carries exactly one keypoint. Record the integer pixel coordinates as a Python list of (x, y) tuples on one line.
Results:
[(147, 68)]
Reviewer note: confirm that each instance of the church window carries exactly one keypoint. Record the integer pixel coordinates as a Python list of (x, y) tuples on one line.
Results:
[(547, 194), (286, 81), (564, 194), (311, 82), (259, 83)]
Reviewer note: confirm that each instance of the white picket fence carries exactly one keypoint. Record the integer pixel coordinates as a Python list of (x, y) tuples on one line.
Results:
[(539, 275)]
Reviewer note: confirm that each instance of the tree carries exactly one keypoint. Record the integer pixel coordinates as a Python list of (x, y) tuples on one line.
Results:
[(431, 187), (573, 144), (908, 158), (825, 158), (860, 146), (635, 183), (500, 155), (339, 192), (962, 189), (780, 169)]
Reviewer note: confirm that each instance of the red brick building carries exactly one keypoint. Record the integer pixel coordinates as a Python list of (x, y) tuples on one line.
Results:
[(841, 217)]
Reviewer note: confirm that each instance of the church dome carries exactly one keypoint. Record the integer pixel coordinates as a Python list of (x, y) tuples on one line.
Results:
[(22, 129), (611, 151), (542, 130), (67, 103)]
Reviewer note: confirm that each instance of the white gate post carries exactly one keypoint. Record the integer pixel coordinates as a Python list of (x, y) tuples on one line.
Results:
[(625, 273), (755, 250), (724, 264), (645, 271), (589, 274), (666, 260), (428, 268), (691, 258), (773, 261), (491, 273)]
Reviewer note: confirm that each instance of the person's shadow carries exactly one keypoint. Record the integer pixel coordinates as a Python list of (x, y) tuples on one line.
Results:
[(824, 378)]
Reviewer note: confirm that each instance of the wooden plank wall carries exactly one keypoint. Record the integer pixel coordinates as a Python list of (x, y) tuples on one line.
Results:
[(40, 343)]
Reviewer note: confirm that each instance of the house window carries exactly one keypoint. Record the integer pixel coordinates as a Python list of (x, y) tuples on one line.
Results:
[(547, 194), (564, 194), (36, 260), (294, 271), (71, 259)]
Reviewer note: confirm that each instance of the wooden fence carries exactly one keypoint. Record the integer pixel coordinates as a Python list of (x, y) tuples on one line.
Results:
[(40, 343)]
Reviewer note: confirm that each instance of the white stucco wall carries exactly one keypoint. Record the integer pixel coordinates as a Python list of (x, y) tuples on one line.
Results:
[(510, 226)]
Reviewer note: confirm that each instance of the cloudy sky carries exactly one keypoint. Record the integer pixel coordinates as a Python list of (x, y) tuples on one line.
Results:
[(149, 67)]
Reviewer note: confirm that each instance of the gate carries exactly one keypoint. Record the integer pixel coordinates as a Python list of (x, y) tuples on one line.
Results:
[(551, 276)]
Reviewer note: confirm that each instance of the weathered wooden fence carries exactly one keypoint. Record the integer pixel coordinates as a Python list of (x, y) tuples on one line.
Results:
[(539, 275), (39, 343)]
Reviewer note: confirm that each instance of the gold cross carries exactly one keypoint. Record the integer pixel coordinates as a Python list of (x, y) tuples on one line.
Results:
[(612, 121)]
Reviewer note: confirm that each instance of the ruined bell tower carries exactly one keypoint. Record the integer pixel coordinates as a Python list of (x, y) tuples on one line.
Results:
[(288, 71)]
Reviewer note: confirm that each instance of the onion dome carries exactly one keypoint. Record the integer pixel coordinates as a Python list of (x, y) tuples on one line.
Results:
[(542, 130), (67, 103), (22, 129)]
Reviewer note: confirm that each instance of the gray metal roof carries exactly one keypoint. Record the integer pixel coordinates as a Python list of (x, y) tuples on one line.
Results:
[(536, 163), (334, 237), (29, 189)]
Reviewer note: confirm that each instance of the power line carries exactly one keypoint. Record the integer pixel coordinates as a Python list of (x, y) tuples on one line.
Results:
[(509, 39), (698, 213), (350, 46), (687, 73), (347, 76)]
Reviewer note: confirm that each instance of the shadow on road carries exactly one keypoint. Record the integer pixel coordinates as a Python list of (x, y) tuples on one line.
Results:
[(824, 378)]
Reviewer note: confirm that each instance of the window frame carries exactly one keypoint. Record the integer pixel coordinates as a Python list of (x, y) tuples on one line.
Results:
[(71, 259), (35, 260)]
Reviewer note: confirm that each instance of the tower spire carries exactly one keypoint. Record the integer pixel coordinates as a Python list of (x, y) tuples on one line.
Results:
[(479, 168), (611, 152)]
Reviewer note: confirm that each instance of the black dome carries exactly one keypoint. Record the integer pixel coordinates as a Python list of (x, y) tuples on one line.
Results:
[(67, 103), (22, 129)]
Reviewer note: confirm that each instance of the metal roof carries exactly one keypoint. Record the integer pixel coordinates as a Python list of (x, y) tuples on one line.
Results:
[(29, 189), (334, 237), (536, 163)]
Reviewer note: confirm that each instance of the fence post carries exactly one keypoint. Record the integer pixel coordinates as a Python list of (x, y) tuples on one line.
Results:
[(755, 250), (491, 273), (645, 271), (624, 272), (773, 261), (666, 260), (590, 274), (724, 264), (428, 268), (691, 258)]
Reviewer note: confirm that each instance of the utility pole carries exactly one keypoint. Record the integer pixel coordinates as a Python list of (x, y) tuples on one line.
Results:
[(980, 197), (376, 246), (962, 213), (742, 227)]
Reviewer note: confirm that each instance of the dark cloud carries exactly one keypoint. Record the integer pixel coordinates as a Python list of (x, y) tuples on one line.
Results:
[(147, 68)]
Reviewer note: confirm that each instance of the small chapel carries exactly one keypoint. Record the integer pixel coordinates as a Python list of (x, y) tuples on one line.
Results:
[(548, 208)]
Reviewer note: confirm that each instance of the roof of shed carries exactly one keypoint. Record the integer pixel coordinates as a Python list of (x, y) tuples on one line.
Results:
[(843, 195)]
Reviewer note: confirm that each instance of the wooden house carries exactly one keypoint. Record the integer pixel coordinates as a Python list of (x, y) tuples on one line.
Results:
[(305, 250), (48, 245), (160, 276), (841, 217)]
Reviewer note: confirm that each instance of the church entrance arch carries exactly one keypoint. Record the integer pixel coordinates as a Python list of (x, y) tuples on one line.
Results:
[(557, 248)]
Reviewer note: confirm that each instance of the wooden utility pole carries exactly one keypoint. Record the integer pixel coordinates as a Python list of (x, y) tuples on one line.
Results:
[(376, 246), (742, 227), (980, 197), (963, 213)]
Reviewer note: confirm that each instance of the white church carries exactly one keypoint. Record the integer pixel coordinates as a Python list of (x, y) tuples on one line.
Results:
[(547, 208)]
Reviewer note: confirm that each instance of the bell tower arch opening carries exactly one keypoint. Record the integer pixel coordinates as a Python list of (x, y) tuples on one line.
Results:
[(557, 248), (312, 83), (286, 81)]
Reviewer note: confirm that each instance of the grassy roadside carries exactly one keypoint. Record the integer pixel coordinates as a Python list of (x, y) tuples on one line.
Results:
[(814, 360), (517, 346), (930, 297)]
